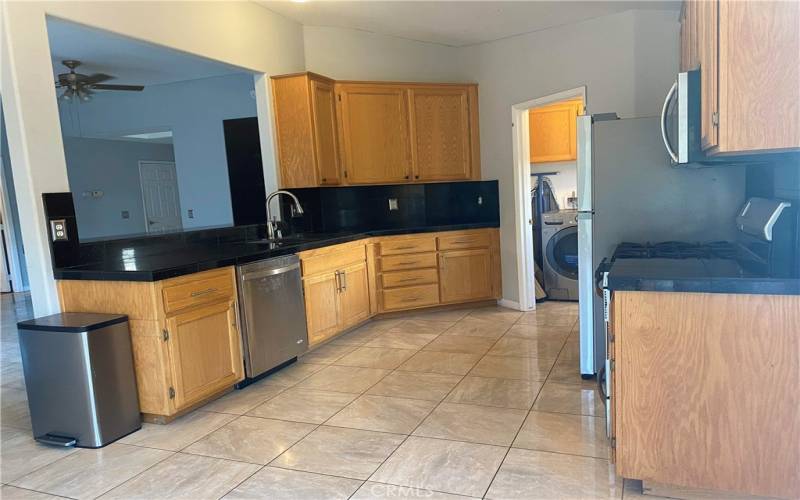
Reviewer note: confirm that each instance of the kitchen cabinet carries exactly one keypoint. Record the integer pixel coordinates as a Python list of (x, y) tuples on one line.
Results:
[(553, 131), (707, 378), (748, 54), (184, 333), (306, 130), (465, 275), (332, 133), (336, 289), (376, 147)]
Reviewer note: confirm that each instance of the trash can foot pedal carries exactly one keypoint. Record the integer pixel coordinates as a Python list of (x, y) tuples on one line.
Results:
[(55, 440)]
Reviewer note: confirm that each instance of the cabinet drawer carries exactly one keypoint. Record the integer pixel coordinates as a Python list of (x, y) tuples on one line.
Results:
[(407, 278), (407, 245), (410, 297), (334, 260), (199, 289), (412, 261), (464, 240)]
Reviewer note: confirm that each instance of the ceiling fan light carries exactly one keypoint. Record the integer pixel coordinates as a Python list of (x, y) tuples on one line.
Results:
[(68, 94)]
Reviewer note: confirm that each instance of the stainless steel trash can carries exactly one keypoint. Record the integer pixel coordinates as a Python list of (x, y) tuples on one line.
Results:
[(79, 378)]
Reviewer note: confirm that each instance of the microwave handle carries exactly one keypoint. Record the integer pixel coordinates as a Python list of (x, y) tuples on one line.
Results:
[(664, 136)]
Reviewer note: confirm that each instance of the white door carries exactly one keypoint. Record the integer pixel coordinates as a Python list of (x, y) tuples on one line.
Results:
[(162, 208)]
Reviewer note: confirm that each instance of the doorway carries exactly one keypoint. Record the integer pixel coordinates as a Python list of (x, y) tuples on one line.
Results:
[(162, 209), (522, 189)]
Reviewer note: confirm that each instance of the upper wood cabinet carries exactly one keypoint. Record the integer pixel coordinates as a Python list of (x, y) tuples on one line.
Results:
[(748, 54), (374, 132), (553, 131), (306, 130), (376, 146)]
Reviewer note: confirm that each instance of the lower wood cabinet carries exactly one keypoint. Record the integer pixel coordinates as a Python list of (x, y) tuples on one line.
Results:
[(186, 342), (353, 295), (465, 275), (322, 306)]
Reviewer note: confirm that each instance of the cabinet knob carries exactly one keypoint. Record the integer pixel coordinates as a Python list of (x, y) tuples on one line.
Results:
[(324, 179), (416, 176), (406, 177)]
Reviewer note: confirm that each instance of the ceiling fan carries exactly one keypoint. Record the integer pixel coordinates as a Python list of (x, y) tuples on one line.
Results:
[(78, 86)]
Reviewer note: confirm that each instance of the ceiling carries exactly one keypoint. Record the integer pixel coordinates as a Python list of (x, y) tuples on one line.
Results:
[(453, 23), (130, 61)]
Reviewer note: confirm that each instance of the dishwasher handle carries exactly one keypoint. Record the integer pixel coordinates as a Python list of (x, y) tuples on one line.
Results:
[(269, 272)]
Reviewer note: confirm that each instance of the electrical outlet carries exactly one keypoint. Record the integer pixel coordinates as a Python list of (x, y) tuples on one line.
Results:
[(58, 230), (393, 204), (480, 200), (190, 213), (126, 214)]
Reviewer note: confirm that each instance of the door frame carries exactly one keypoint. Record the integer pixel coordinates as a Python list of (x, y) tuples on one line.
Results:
[(141, 187), (522, 189), (9, 234)]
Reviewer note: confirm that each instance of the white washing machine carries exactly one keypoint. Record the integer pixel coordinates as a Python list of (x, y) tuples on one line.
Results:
[(560, 259)]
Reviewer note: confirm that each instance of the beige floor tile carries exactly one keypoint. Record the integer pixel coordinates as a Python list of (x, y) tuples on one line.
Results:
[(428, 386), (566, 398), (542, 332), (534, 369), (14, 493), (527, 474), (186, 477), (281, 484), (556, 318), (446, 315), (454, 343), (20, 454), (340, 452), (239, 402), (179, 433), (496, 313), (90, 473), (16, 414), (562, 433), (477, 327), (448, 363), (303, 405), (440, 465), (476, 424), (420, 326), (293, 374), (381, 413), (568, 371), (375, 357), (571, 350), (357, 337), (344, 379), (500, 392), (326, 354), (371, 490), (401, 340), (530, 348), (251, 439)]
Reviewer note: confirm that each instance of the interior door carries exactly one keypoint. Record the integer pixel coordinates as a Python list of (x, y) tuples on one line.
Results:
[(465, 275), (205, 352), (354, 297), (375, 134), (323, 104), (162, 208), (322, 306), (440, 133)]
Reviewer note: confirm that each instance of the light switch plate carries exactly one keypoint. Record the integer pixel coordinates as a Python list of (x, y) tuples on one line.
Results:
[(393, 204), (190, 213), (58, 229)]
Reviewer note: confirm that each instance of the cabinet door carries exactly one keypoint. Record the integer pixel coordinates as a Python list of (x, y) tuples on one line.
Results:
[(322, 306), (553, 132), (205, 352), (465, 275), (354, 296), (293, 132), (707, 14), (326, 149), (375, 137), (440, 133)]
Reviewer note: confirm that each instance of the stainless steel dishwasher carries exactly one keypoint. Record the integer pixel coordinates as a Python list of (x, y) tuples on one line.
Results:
[(272, 313)]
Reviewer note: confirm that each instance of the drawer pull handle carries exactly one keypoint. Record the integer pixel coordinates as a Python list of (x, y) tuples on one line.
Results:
[(409, 263), (203, 292), (407, 247), (411, 299), (463, 242), (415, 278)]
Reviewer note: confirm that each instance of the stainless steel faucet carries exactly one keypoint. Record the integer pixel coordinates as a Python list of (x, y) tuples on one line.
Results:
[(272, 223)]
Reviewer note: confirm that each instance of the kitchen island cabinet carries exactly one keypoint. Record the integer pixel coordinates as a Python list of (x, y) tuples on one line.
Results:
[(705, 390)]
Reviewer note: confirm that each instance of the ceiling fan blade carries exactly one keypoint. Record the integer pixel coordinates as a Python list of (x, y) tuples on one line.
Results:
[(96, 78), (116, 87)]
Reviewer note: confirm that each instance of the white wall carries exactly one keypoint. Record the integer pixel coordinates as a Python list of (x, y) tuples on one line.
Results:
[(564, 183), (346, 54), (242, 34), (111, 167), (627, 62), (194, 111)]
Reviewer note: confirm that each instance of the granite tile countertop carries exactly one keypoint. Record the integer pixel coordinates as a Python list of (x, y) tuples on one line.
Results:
[(694, 275), (192, 258)]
